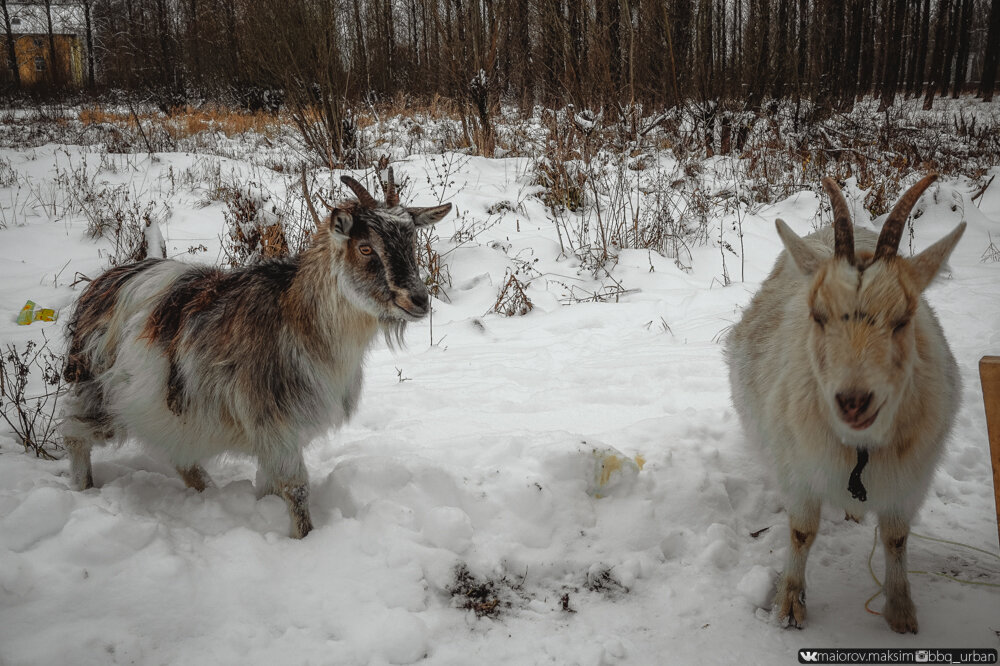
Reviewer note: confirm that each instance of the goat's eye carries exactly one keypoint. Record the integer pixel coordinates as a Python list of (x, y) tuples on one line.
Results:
[(899, 325), (818, 318), (365, 249)]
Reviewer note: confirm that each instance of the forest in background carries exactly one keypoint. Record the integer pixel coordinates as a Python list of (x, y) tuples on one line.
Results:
[(590, 53), (725, 63)]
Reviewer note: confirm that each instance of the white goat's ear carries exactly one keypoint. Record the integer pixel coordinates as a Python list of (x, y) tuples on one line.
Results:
[(423, 217), (927, 264), (341, 223), (804, 256)]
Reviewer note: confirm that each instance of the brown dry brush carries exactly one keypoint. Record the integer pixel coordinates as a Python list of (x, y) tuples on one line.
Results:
[(433, 268), (512, 299), (252, 235), (32, 416), (486, 597), (117, 215)]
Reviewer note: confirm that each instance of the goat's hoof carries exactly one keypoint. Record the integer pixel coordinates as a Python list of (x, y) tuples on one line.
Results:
[(791, 605), (82, 482), (901, 615), (301, 528)]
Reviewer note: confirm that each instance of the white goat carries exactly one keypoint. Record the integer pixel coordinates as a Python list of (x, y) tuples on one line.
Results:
[(838, 362), (260, 360)]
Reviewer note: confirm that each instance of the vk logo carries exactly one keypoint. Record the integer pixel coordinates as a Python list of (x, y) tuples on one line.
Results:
[(807, 656)]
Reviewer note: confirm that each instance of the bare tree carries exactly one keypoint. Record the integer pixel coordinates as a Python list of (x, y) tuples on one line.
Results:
[(11, 51), (992, 57), (894, 29), (937, 76), (89, 30), (963, 37)]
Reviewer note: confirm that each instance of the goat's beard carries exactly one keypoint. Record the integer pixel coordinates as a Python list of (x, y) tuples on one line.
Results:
[(393, 329)]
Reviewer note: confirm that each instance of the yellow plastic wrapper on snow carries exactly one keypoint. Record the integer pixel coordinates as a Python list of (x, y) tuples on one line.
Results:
[(30, 312), (27, 314), (46, 314), (614, 472)]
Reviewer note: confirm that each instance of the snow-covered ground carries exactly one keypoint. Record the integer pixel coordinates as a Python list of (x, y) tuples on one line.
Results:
[(583, 459)]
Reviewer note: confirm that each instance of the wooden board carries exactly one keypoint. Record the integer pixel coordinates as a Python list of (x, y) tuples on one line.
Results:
[(989, 374)]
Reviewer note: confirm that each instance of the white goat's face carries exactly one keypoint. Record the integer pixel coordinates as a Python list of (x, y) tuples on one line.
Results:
[(861, 342), (863, 308)]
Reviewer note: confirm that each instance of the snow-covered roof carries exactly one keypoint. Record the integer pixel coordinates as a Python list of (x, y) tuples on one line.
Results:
[(28, 18)]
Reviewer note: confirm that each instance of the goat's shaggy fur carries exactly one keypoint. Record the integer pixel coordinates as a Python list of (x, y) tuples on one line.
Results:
[(197, 361), (839, 357)]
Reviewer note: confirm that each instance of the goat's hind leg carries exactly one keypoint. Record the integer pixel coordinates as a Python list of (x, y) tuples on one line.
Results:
[(286, 476), (790, 601), (85, 424), (899, 610)]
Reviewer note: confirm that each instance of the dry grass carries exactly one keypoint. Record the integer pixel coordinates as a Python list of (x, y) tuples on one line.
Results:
[(255, 233), (512, 300), (188, 122)]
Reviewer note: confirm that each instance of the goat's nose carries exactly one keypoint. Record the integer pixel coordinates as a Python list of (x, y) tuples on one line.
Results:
[(853, 403), (420, 299)]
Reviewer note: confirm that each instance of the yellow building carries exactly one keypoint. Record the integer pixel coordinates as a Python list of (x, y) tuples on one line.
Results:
[(35, 62)]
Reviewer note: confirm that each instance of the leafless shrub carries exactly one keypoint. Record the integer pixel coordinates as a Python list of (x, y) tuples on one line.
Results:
[(432, 266), (254, 232), (442, 181), (116, 214), (32, 417), (8, 174), (992, 252), (512, 299)]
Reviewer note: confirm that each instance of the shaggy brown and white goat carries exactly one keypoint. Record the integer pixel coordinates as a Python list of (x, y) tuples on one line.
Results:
[(839, 363), (260, 360)]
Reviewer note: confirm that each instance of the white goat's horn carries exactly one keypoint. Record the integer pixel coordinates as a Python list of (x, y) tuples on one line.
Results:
[(892, 230), (843, 231)]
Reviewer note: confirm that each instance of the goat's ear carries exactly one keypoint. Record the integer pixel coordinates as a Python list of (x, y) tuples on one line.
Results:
[(341, 222), (927, 264), (804, 256), (423, 217)]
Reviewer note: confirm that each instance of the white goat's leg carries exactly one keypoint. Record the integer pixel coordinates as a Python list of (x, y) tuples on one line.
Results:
[(899, 610), (195, 477), (297, 497), (803, 521), (287, 477), (80, 472)]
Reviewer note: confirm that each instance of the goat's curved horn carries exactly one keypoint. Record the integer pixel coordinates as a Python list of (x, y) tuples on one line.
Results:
[(326, 204), (892, 230), (366, 199), (843, 230), (391, 195)]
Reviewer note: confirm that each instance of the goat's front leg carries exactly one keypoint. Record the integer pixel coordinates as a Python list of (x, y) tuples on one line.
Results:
[(899, 610), (286, 476), (790, 601)]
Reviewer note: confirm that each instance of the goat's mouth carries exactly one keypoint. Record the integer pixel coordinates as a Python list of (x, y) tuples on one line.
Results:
[(413, 314), (862, 423)]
